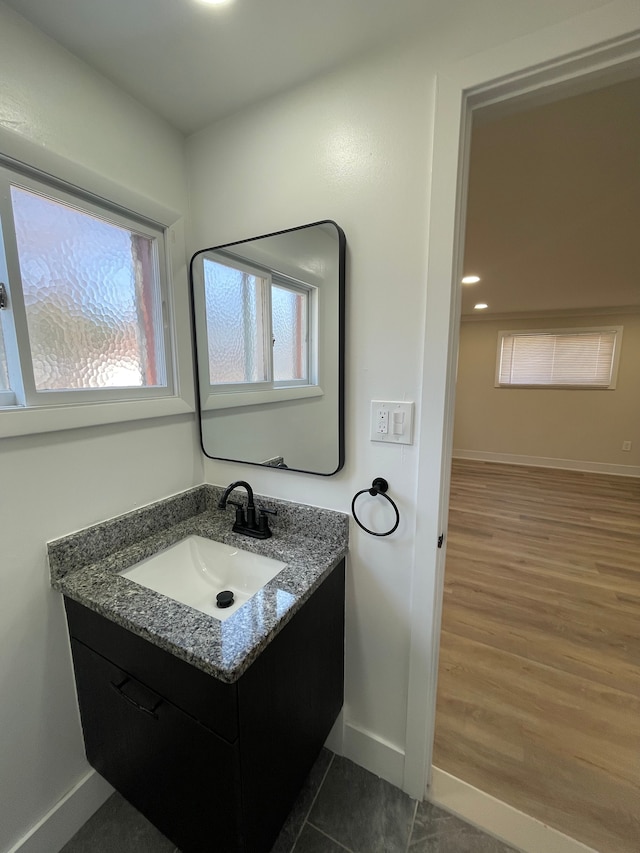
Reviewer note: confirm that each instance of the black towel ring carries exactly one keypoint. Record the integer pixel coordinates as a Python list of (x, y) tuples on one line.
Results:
[(378, 487)]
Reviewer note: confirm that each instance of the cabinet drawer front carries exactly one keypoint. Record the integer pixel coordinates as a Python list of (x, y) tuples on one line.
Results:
[(211, 702), (181, 776)]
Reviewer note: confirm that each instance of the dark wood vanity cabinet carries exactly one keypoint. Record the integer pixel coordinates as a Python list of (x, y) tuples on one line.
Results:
[(214, 766)]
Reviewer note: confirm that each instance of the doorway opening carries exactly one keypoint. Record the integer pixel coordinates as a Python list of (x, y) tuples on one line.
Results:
[(556, 61), (539, 658)]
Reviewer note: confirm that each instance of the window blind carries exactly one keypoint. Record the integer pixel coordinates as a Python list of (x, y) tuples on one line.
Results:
[(577, 359)]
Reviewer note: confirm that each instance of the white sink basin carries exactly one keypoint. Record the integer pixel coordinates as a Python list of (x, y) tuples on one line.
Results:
[(196, 569)]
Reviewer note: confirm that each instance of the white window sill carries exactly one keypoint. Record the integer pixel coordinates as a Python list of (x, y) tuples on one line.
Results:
[(21, 421), (232, 400)]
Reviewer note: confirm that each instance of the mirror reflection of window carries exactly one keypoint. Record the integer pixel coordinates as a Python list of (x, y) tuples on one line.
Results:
[(257, 326), (290, 319), (234, 300)]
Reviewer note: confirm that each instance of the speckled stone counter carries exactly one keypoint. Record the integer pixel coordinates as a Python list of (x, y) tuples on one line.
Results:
[(84, 566)]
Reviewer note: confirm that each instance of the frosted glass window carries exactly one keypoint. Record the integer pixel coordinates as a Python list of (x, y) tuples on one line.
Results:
[(235, 307), (574, 359), (4, 372), (90, 296), (289, 316)]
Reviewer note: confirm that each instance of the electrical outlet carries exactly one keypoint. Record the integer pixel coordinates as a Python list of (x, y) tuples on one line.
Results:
[(626, 445), (382, 421), (391, 422)]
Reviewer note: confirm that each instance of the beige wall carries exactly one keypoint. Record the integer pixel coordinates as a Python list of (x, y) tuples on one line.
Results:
[(587, 426)]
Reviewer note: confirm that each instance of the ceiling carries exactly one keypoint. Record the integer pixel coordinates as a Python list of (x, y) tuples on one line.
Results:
[(193, 64), (554, 206)]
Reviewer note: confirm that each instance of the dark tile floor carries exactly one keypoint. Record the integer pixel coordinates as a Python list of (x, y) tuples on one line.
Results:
[(340, 808)]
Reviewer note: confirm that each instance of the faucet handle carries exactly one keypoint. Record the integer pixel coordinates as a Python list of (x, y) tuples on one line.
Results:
[(264, 512), (263, 521), (239, 512)]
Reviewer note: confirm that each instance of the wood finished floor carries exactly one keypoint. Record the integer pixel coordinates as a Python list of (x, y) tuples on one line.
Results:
[(539, 677)]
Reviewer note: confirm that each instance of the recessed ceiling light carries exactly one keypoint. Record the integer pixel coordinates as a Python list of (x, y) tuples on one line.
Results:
[(480, 306), (215, 2), (471, 279)]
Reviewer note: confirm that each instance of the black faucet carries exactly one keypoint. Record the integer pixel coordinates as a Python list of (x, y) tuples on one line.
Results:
[(248, 525)]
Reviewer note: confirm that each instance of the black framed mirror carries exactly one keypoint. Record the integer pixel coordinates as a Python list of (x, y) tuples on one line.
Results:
[(269, 331)]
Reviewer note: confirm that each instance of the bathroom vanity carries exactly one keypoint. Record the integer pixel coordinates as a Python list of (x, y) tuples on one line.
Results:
[(207, 727)]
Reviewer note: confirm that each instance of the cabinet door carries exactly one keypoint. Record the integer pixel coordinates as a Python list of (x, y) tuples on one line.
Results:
[(288, 700), (181, 776), (208, 700)]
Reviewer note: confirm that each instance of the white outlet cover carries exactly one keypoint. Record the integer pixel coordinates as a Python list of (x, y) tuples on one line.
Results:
[(403, 421)]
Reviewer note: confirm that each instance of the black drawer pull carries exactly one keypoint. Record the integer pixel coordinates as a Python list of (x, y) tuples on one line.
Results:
[(150, 711)]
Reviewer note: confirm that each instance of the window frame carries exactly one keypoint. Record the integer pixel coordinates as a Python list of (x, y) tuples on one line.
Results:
[(83, 189), (572, 331), (310, 293), (7, 399)]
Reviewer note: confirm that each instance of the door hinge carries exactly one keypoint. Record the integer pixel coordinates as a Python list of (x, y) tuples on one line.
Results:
[(4, 298), (441, 540)]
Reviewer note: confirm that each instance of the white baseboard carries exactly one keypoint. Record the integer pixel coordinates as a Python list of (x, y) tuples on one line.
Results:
[(373, 753), (549, 462), (62, 821), (497, 818)]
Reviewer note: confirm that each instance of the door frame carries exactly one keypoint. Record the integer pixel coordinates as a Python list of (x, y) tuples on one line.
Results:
[(565, 59)]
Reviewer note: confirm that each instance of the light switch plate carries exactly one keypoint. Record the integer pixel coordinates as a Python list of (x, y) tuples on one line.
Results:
[(392, 421)]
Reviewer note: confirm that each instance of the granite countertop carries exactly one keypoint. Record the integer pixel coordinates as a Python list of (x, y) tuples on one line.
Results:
[(84, 566)]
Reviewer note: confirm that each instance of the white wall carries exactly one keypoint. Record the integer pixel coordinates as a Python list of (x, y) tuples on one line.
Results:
[(54, 483), (338, 149), (355, 147), (547, 424)]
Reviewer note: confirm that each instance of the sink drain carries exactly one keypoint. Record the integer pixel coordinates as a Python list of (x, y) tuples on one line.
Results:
[(224, 598)]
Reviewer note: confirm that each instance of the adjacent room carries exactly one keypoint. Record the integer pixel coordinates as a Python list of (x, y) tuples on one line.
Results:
[(539, 678)]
